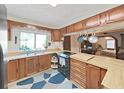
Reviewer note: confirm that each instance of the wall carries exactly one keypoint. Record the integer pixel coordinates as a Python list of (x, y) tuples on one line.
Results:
[(75, 45), (102, 41), (16, 32), (117, 36)]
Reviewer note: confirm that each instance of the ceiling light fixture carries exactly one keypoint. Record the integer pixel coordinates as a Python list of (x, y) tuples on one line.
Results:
[(53, 4)]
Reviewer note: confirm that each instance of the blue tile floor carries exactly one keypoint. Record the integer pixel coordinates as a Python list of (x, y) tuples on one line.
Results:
[(49, 79)]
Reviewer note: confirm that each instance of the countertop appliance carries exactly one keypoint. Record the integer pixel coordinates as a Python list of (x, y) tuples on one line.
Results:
[(3, 46), (64, 63)]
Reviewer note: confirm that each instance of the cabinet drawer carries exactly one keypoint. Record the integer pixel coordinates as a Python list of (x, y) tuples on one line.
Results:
[(77, 63), (82, 84), (78, 66), (73, 71), (80, 77)]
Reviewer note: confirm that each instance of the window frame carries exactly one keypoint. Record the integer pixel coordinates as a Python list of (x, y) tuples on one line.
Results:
[(34, 38), (110, 48)]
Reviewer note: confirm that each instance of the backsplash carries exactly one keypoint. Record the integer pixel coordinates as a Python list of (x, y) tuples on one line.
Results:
[(56, 45)]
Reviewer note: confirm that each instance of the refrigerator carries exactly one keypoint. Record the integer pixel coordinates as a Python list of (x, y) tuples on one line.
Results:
[(3, 47)]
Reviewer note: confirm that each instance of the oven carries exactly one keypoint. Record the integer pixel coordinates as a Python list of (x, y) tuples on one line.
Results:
[(64, 63)]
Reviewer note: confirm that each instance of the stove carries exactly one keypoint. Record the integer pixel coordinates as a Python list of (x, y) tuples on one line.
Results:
[(64, 63)]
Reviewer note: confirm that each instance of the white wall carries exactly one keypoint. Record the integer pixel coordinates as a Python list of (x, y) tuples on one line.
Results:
[(75, 45), (117, 36), (16, 32)]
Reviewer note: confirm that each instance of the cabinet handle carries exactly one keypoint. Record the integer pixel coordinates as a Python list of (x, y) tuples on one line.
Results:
[(17, 70)]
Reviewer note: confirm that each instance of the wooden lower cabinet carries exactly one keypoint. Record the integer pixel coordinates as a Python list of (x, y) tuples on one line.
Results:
[(102, 75), (22, 67), (13, 71), (86, 75), (93, 77), (44, 62), (78, 72), (36, 64), (30, 65)]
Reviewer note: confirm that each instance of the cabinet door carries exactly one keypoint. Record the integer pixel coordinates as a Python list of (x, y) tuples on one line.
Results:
[(78, 26), (22, 68), (63, 31), (103, 18), (44, 62), (70, 28), (29, 66), (36, 64), (93, 77), (67, 43), (48, 61), (56, 35), (116, 14), (12, 68), (102, 75), (92, 21)]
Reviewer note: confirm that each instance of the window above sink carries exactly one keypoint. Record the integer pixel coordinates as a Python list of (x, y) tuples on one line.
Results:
[(31, 41)]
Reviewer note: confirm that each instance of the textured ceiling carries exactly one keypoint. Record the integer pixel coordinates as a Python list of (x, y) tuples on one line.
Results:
[(54, 17)]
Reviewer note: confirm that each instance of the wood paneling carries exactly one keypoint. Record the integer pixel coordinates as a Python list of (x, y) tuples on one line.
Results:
[(13, 71)]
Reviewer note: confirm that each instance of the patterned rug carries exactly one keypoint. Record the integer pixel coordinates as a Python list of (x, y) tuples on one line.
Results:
[(50, 79)]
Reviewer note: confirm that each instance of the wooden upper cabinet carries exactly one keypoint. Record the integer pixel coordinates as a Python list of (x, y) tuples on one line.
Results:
[(92, 21), (78, 26), (63, 31), (103, 18), (56, 35), (13, 70), (70, 28), (116, 14)]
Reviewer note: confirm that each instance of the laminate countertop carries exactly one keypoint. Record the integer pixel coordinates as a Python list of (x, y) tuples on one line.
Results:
[(31, 55), (114, 77)]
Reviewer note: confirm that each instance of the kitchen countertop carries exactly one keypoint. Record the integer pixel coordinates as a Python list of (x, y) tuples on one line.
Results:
[(31, 55), (114, 77), (24, 55)]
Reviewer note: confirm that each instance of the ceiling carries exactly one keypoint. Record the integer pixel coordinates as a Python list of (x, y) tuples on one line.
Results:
[(54, 17)]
